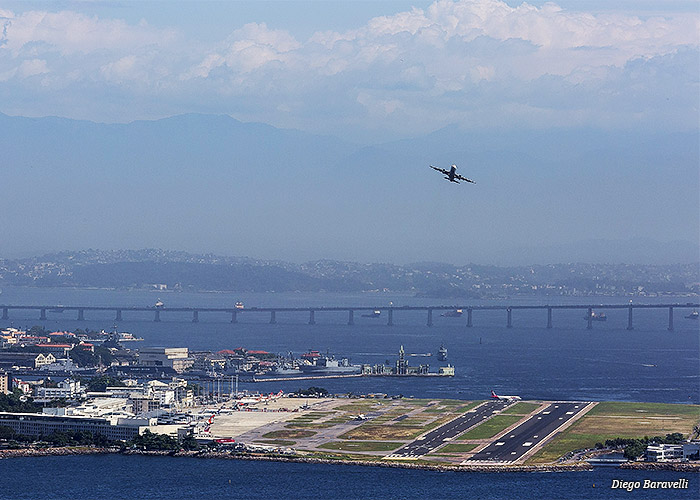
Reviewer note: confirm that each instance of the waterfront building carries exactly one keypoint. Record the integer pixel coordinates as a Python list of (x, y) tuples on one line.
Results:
[(663, 452), (28, 360), (37, 424)]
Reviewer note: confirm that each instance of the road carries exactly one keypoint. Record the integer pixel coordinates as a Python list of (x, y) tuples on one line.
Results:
[(529, 434), (451, 429)]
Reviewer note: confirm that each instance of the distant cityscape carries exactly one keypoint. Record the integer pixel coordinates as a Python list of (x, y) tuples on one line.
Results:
[(172, 270)]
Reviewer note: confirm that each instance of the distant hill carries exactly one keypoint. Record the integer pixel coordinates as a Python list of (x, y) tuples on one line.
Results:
[(184, 271)]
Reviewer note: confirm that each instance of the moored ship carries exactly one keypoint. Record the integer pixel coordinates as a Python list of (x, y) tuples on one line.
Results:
[(597, 317), (318, 364)]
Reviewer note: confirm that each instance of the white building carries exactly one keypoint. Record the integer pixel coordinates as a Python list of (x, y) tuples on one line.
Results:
[(664, 452), (66, 389)]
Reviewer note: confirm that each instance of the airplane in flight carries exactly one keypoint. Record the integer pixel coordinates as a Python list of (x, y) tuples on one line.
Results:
[(451, 174), (505, 398)]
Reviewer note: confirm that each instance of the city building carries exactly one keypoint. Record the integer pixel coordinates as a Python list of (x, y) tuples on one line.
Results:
[(176, 358), (5, 383), (67, 388)]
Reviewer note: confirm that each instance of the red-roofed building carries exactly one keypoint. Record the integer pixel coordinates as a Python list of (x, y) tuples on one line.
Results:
[(61, 349), (32, 339), (87, 346), (227, 352), (62, 334)]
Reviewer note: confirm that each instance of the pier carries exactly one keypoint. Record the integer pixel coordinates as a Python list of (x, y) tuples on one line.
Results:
[(120, 312)]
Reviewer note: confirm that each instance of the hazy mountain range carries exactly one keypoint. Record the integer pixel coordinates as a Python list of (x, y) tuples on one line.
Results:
[(204, 183)]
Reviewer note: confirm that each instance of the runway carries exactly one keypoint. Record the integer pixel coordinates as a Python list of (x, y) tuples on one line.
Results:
[(451, 429), (529, 434)]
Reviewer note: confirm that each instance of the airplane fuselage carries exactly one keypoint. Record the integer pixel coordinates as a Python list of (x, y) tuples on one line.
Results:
[(451, 175)]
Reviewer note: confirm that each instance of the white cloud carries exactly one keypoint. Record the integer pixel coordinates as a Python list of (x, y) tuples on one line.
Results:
[(32, 67), (457, 60)]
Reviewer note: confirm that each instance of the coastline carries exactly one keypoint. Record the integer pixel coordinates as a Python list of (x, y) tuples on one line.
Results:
[(72, 451)]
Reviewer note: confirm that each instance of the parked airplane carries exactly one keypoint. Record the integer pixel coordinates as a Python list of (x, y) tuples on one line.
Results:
[(505, 398), (451, 174)]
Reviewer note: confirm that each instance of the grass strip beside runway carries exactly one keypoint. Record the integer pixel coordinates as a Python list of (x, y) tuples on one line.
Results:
[(491, 427)]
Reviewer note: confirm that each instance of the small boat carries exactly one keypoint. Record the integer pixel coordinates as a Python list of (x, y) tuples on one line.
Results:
[(374, 314), (239, 305), (693, 315), (456, 313), (159, 304), (597, 317), (442, 353)]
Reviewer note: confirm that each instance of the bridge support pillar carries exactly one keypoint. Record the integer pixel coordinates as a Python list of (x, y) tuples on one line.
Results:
[(549, 317), (5, 313), (430, 317), (629, 319), (469, 317), (42, 314), (510, 318), (589, 318), (81, 314), (234, 317), (119, 315), (273, 318), (670, 319), (390, 321), (157, 316), (351, 317), (195, 316), (312, 317)]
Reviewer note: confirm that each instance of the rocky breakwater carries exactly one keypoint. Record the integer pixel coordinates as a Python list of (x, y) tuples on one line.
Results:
[(675, 466), (51, 452)]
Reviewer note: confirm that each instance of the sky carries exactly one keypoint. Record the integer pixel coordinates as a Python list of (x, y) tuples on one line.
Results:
[(364, 70), (371, 72)]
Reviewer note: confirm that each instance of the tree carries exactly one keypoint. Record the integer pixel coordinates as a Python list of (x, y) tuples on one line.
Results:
[(151, 441), (100, 384), (14, 403), (6, 432)]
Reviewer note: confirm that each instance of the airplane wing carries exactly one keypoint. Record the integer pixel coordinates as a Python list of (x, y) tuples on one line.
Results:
[(462, 178), (446, 172)]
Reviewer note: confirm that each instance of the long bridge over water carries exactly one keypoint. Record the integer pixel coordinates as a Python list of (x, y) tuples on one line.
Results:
[(351, 310)]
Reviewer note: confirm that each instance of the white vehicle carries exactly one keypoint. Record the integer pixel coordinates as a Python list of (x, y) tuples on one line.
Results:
[(505, 398)]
